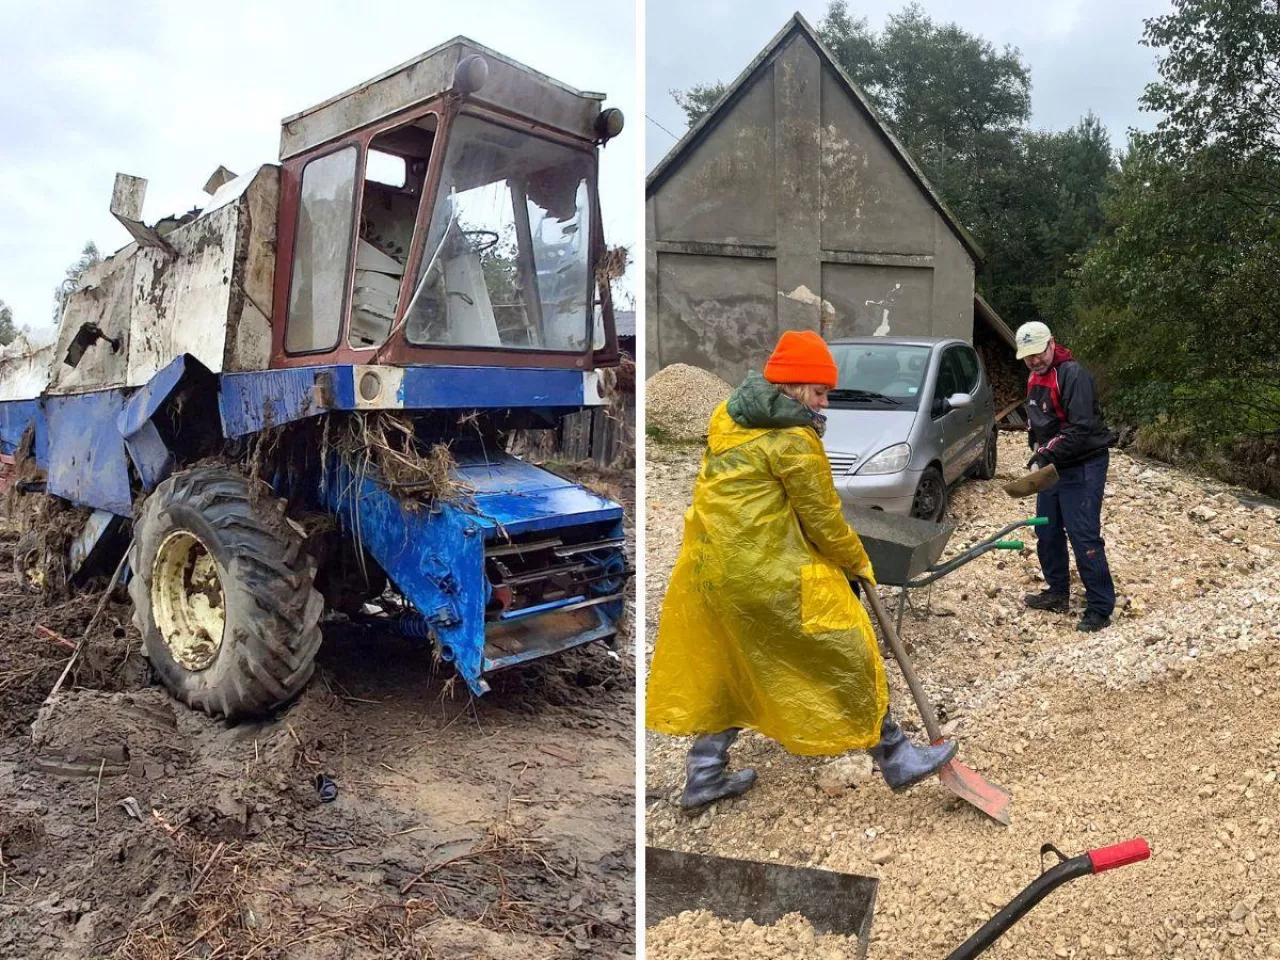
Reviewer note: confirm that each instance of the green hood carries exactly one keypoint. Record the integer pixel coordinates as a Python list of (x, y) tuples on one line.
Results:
[(759, 404)]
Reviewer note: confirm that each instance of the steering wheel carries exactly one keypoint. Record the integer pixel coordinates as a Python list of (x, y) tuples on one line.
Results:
[(480, 246)]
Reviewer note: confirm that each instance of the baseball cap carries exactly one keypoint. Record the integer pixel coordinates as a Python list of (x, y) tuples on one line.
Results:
[(1032, 338)]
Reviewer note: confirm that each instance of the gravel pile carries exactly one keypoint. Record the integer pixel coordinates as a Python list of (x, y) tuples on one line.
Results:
[(680, 399), (699, 935)]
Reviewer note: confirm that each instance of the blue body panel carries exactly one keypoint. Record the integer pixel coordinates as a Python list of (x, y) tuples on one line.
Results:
[(516, 497), (15, 417), (87, 460), (151, 458), (250, 402), (435, 557), (253, 401)]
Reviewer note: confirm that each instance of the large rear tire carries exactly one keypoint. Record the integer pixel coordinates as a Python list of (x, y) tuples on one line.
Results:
[(223, 594)]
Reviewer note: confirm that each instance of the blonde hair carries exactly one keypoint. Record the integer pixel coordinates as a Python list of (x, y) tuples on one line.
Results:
[(801, 392)]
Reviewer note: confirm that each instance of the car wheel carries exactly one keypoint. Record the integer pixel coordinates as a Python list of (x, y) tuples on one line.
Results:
[(931, 497), (986, 467)]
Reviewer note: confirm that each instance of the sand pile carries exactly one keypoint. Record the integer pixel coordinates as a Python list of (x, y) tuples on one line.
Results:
[(679, 400)]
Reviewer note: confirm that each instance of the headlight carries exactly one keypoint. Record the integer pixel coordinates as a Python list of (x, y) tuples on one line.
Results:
[(889, 460)]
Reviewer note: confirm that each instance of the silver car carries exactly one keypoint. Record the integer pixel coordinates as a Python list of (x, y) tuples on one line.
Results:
[(910, 417)]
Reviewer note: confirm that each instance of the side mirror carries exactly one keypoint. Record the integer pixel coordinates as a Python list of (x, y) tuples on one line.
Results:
[(959, 401)]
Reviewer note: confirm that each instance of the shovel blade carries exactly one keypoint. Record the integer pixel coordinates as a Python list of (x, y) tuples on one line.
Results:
[(1034, 482), (971, 787)]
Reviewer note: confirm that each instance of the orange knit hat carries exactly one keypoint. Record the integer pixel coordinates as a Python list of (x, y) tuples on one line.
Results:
[(801, 356)]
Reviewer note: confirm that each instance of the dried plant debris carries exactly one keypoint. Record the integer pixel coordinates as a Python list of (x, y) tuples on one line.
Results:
[(404, 464)]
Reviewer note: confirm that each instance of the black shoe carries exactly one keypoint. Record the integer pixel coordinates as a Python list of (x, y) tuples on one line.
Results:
[(1049, 600), (1092, 621)]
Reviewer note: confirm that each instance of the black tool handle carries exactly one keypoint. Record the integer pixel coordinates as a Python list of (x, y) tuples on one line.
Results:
[(1095, 861)]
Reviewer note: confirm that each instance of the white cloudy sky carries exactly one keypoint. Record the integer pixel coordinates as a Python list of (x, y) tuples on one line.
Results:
[(1083, 54), (167, 91)]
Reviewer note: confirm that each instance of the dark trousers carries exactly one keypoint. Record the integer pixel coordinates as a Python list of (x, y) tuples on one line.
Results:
[(1074, 508)]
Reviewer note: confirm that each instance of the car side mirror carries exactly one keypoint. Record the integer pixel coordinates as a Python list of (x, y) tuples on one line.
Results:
[(959, 401)]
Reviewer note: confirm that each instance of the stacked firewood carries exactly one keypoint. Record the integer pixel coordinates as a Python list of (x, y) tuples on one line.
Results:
[(1008, 377)]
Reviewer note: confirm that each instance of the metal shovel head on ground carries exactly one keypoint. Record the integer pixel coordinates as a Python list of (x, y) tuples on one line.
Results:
[(737, 890), (1036, 481), (965, 782)]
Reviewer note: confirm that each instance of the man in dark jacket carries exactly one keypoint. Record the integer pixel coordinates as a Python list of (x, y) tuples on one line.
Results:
[(1068, 431)]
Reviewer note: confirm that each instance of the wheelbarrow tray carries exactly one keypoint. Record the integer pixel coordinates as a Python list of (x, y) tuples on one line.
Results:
[(737, 890), (900, 548)]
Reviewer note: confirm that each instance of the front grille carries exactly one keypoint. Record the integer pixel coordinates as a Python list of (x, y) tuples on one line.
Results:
[(842, 463)]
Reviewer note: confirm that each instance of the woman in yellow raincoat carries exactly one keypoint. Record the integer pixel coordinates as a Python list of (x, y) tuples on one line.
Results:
[(760, 627)]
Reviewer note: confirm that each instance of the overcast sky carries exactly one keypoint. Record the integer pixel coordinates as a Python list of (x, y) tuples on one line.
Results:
[(1083, 54), (168, 91)]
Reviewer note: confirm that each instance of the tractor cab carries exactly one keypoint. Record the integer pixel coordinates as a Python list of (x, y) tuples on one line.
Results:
[(445, 213)]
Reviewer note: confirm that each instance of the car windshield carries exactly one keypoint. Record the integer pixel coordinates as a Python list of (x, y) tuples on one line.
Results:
[(879, 375), (507, 257)]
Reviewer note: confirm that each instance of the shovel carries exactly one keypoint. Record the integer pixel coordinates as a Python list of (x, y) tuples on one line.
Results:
[(1036, 481), (964, 782)]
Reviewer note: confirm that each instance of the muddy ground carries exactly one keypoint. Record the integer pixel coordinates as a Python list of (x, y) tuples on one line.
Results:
[(131, 827), (1163, 727)]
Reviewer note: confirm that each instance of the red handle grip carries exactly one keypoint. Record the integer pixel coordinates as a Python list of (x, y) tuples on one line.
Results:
[(1119, 855)]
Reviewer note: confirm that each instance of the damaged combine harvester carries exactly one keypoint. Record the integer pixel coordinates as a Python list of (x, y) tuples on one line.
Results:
[(286, 400)]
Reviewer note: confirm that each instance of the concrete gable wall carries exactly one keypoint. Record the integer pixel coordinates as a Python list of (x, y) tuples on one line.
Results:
[(793, 212)]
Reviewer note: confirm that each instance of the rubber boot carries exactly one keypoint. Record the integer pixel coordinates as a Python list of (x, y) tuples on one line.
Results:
[(705, 777), (902, 763)]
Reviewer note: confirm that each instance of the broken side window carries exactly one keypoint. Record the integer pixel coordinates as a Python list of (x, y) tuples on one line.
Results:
[(322, 240)]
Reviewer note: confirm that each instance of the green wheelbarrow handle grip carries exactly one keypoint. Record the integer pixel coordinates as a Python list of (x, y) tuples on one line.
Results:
[(1038, 522), (1009, 544)]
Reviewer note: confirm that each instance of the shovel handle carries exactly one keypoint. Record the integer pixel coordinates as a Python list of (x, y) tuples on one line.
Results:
[(872, 597), (1119, 855)]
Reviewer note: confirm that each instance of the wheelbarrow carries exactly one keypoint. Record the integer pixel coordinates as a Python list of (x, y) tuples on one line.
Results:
[(904, 551), (840, 903)]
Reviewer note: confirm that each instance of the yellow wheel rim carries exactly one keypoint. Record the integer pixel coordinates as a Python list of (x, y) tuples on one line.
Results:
[(187, 600)]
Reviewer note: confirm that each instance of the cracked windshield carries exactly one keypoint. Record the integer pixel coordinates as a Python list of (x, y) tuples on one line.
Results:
[(507, 259)]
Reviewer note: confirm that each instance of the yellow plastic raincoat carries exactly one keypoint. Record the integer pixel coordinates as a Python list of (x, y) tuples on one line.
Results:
[(760, 628)]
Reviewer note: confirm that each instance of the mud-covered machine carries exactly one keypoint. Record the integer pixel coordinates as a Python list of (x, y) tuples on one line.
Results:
[(302, 394)]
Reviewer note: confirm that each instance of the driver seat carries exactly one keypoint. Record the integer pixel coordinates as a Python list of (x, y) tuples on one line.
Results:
[(375, 296), (470, 311)]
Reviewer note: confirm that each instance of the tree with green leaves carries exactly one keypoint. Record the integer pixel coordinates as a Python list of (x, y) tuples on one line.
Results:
[(89, 256), (8, 332), (1179, 298), (697, 101)]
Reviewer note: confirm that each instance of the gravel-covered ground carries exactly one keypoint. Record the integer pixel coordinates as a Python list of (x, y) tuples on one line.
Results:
[(1163, 726)]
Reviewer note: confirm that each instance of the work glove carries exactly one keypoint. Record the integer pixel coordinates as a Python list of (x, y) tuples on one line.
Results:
[(1038, 460)]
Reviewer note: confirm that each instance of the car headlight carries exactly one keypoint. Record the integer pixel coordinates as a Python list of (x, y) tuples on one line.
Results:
[(889, 460)]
